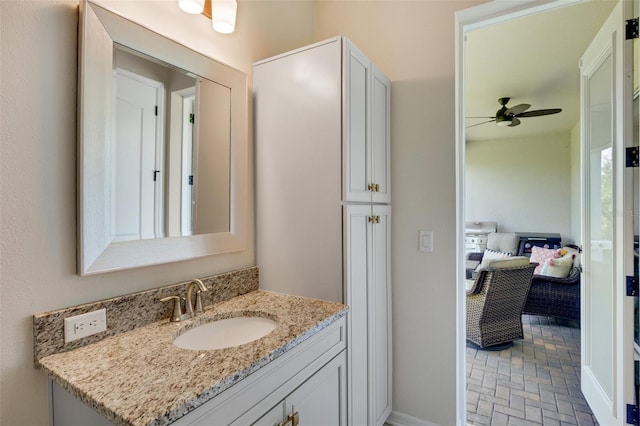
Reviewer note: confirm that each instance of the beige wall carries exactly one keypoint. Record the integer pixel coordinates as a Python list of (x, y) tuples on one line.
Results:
[(38, 167), (524, 184), (412, 42)]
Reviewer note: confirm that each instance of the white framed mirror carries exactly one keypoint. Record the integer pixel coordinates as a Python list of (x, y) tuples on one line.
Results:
[(162, 148)]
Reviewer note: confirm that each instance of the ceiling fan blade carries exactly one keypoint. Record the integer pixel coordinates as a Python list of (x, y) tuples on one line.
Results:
[(484, 122), (480, 117), (515, 122), (518, 109), (539, 112)]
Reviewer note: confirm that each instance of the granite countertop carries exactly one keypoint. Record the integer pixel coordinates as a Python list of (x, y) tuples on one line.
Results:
[(141, 378)]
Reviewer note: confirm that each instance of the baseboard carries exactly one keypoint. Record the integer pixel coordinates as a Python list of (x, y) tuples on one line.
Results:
[(400, 419)]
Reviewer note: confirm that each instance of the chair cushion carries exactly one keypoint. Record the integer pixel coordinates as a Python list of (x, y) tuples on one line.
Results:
[(506, 243), (474, 285), (510, 262)]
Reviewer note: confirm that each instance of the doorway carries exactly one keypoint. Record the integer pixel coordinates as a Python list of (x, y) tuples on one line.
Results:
[(484, 16)]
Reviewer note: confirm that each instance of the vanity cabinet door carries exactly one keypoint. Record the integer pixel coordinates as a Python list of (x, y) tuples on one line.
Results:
[(322, 399), (368, 293), (367, 135), (380, 136), (357, 155), (380, 344), (273, 416)]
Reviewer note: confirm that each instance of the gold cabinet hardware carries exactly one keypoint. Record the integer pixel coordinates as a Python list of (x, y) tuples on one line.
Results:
[(374, 187), (293, 419), (374, 219)]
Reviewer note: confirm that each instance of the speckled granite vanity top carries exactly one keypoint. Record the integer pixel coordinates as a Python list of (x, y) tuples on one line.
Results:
[(140, 377)]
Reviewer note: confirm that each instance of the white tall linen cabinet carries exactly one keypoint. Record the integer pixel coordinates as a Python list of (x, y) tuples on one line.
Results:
[(322, 140)]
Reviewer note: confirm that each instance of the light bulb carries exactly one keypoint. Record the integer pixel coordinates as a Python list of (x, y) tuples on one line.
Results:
[(223, 15), (191, 6)]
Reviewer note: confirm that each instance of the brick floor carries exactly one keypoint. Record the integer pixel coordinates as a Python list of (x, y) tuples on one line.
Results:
[(535, 382)]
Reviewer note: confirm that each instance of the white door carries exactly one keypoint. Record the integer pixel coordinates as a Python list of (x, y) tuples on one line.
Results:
[(357, 152), (356, 250), (137, 153), (321, 400), (607, 321), (186, 180), (380, 136), (368, 294), (380, 344)]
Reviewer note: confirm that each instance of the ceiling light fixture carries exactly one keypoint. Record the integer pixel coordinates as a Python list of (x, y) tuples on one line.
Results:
[(191, 6), (221, 12), (223, 15)]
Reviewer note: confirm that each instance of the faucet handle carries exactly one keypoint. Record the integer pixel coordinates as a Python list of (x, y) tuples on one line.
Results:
[(199, 309), (177, 308)]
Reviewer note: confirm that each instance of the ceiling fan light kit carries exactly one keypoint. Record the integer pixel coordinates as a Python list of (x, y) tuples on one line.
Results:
[(510, 117)]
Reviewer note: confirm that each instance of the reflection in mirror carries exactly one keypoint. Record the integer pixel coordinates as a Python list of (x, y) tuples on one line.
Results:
[(156, 192), (162, 147)]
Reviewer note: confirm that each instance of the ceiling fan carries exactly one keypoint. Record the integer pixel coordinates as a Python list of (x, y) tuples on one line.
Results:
[(510, 117)]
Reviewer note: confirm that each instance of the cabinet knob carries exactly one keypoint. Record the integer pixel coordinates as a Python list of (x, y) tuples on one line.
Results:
[(374, 187), (374, 219), (292, 419)]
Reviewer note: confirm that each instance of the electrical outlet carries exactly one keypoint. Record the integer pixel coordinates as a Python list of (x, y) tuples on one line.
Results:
[(85, 325)]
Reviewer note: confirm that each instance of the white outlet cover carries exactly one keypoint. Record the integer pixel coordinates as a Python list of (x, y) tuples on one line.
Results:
[(84, 325)]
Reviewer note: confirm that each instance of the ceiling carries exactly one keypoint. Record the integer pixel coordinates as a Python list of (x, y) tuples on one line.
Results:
[(532, 60)]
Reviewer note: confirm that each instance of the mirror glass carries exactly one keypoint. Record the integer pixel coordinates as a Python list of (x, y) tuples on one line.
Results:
[(170, 168), (162, 148)]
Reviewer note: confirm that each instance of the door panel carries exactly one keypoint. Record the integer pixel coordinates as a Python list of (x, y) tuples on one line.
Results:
[(134, 153), (607, 322), (356, 222), (600, 254)]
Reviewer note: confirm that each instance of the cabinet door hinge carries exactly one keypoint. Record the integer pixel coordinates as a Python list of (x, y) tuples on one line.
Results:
[(631, 29), (631, 156), (632, 285), (633, 414), (633, 418)]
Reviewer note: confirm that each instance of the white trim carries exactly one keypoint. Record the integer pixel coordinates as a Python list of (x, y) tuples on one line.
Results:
[(397, 418)]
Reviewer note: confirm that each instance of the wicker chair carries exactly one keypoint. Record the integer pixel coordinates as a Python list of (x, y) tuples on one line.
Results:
[(494, 304), (555, 297)]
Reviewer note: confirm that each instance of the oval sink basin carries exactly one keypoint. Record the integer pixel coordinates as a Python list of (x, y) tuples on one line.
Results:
[(225, 333)]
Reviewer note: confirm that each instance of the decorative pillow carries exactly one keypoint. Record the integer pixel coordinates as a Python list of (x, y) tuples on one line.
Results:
[(490, 255), (575, 252), (540, 255), (558, 268)]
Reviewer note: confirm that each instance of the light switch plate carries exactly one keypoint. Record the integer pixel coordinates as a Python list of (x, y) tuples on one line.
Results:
[(425, 244)]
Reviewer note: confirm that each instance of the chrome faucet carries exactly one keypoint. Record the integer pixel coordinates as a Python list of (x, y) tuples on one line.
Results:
[(191, 310)]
